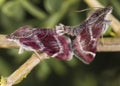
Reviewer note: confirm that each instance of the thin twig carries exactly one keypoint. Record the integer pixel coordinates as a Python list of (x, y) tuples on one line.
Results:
[(4, 43), (109, 45), (115, 23), (25, 69)]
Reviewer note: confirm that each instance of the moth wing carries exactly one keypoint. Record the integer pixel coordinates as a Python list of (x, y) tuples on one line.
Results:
[(57, 46), (85, 43), (84, 50), (47, 41)]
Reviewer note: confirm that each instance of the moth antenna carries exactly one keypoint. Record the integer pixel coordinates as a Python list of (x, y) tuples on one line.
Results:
[(88, 9), (83, 10)]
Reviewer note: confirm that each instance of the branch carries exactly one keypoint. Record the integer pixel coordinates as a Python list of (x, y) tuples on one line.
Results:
[(4, 43), (25, 69), (115, 23), (109, 45)]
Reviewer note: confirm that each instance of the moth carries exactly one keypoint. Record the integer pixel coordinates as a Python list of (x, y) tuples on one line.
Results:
[(55, 43)]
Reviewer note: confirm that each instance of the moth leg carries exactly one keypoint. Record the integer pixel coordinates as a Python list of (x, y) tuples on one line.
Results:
[(106, 23), (21, 49), (38, 55), (104, 29), (60, 29)]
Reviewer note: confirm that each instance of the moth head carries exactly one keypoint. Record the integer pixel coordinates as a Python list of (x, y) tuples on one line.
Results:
[(21, 32), (107, 11), (99, 13)]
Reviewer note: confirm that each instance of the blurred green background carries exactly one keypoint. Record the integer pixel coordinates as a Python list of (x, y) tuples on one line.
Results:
[(103, 71)]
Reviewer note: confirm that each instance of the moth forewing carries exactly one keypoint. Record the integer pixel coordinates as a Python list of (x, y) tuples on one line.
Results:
[(85, 43)]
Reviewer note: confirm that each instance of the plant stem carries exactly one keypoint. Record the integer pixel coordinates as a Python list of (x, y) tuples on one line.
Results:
[(109, 45), (4, 43), (25, 69)]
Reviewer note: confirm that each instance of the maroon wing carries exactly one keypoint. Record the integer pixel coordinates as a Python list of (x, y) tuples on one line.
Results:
[(47, 41), (85, 43)]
